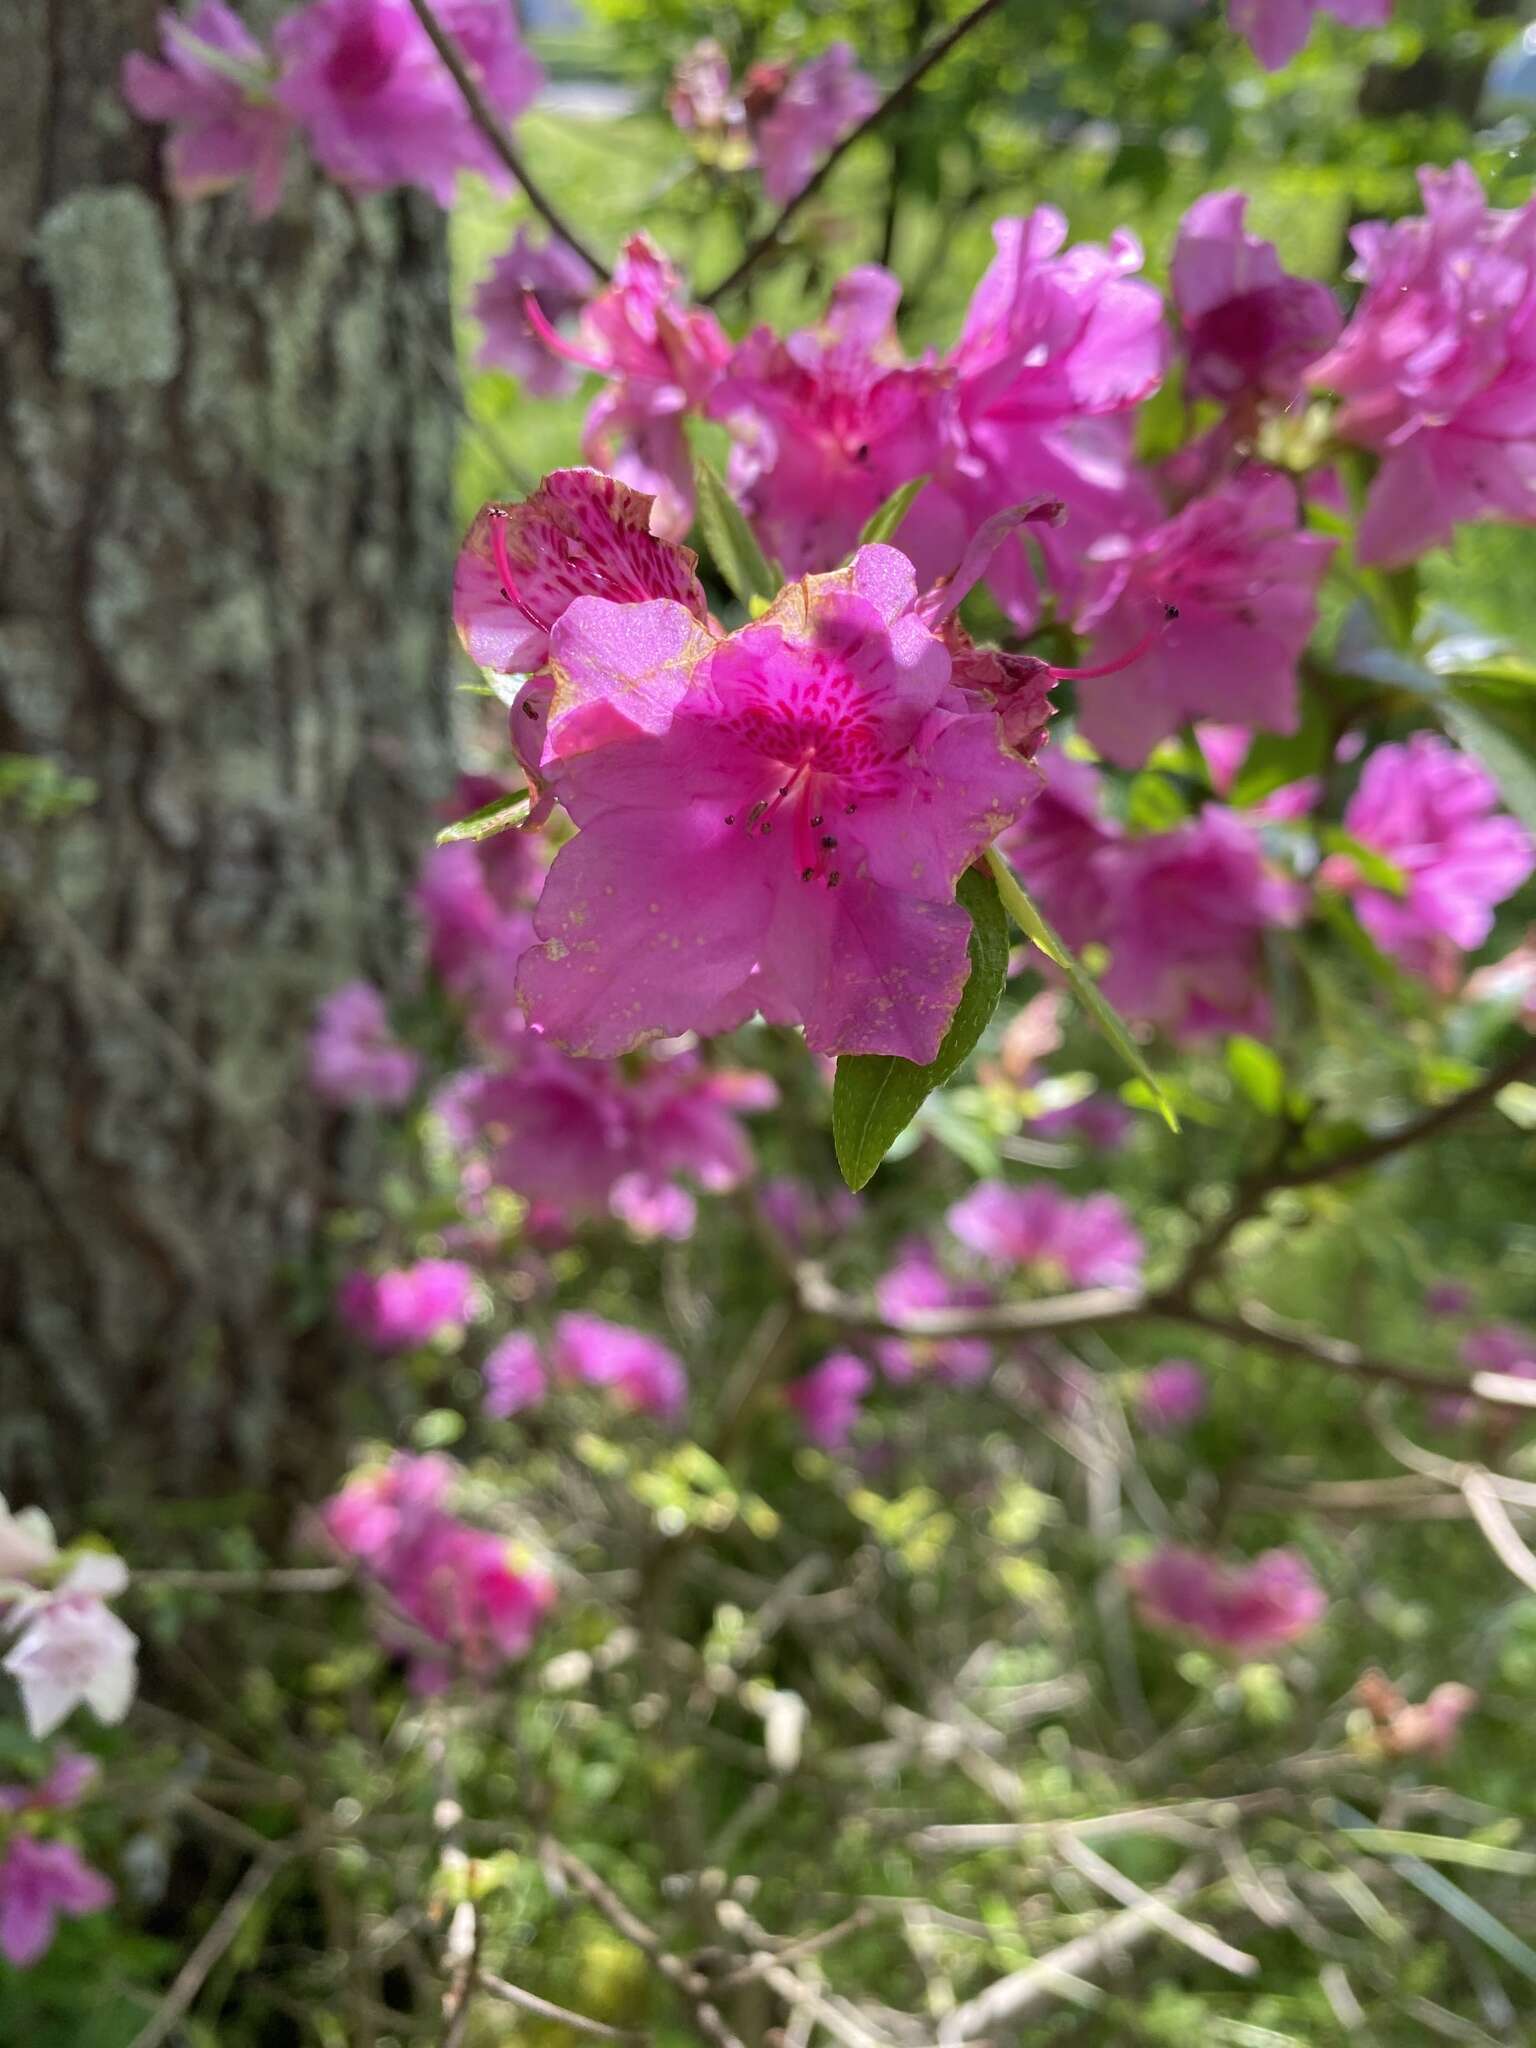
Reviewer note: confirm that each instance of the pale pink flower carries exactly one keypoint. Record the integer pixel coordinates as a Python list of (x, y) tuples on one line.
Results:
[(1249, 328), (580, 534), (1431, 1727), (818, 105), (354, 1057), (1432, 812), (213, 89), (1251, 1609), (1059, 346), (643, 1374), (1088, 1241), (399, 1310), (916, 1282), (515, 1377), (560, 281), (1171, 1396), (40, 1884), (1437, 367), (786, 832), (27, 1544), (72, 1649), (1202, 616), (70, 1776), (828, 1399), (1277, 30), (701, 100), (1097, 1120), (1447, 1298), (828, 423), (377, 103)]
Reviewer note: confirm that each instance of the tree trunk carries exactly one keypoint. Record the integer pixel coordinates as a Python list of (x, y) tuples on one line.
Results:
[(225, 538)]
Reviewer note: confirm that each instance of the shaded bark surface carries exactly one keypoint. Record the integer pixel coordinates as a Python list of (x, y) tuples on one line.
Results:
[(225, 537)]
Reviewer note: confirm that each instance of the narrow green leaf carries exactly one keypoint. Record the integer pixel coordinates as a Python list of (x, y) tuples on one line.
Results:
[(1154, 803), (1258, 1072), (1040, 935), (498, 815), (875, 1095), (1275, 759), (1445, 1849), (882, 525), (1506, 757), (731, 542), (1373, 867), (1475, 1918)]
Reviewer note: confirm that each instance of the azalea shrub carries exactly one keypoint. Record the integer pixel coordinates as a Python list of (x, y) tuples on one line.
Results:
[(944, 1447)]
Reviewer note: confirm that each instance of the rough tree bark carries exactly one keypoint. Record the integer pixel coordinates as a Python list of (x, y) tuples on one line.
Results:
[(224, 508)]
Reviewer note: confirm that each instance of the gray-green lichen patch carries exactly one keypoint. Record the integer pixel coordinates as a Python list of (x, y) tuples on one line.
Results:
[(104, 258)]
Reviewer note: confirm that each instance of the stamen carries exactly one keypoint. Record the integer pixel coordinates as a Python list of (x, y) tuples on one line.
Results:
[(499, 557), (556, 342), (828, 841), (1134, 654), (833, 879)]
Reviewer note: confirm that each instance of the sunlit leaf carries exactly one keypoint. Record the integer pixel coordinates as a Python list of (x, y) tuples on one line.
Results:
[(499, 815), (730, 540), (881, 525)]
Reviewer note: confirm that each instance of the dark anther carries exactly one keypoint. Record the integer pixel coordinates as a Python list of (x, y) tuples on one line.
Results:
[(828, 840), (806, 874), (530, 710), (814, 823), (849, 809), (1170, 613), (730, 817), (833, 879)]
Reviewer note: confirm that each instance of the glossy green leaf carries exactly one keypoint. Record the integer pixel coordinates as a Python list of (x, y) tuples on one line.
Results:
[(882, 525), (499, 815), (730, 540), (1506, 748), (1054, 947), (1275, 759), (1373, 867), (875, 1095), (1154, 803)]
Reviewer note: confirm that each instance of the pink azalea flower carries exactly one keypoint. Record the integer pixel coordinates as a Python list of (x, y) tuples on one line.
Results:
[(72, 1649), (354, 1057), (70, 1776), (379, 1506), (399, 1310), (828, 1399), (1097, 1121), (1447, 1298), (1436, 367), (40, 1884), (1433, 813), (580, 535), (1188, 913), (918, 1282), (1429, 1728), (828, 423), (662, 358), (1277, 30), (818, 105), (644, 1375), (1088, 1240), (515, 1378), (1509, 981), (700, 98), (650, 1208), (1171, 1396), (377, 102), (473, 942), (27, 1544), (805, 1216), (1249, 328), (213, 90), (1058, 348), (1183, 913), (559, 280), (1250, 1609), (1204, 615), (787, 832)]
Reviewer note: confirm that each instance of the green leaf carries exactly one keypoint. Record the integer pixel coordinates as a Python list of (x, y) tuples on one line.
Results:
[(1433, 1884), (882, 525), (1373, 867), (731, 542), (875, 1095), (1055, 948), (1276, 759), (1257, 1071), (498, 815), (1507, 757), (1154, 803)]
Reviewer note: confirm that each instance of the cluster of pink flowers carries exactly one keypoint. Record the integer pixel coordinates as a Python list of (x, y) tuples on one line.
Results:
[(354, 1056), (771, 820), (1085, 1241), (782, 119), (68, 1648), (459, 1599), (829, 1397), (408, 1306), (1171, 1396), (1249, 1609), (643, 1375), (44, 1880), (359, 79)]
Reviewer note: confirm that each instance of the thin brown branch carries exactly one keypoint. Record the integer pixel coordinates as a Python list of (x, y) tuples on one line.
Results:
[(578, 2022), (193, 1974), (326, 1578), (1092, 1305), (1166, 1918), (1492, 1517), (1429, 1125), (896, 98), (491, 126)]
